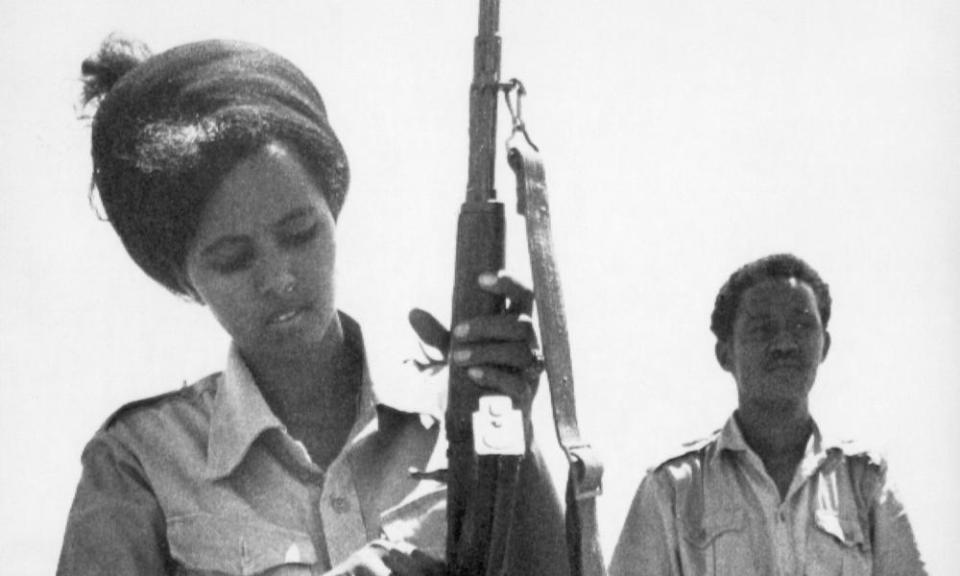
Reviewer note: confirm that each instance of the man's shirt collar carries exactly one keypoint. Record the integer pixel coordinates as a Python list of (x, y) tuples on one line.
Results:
[(817, 450)]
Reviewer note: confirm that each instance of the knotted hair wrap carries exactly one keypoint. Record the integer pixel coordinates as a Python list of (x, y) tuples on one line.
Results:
[(169, 128)]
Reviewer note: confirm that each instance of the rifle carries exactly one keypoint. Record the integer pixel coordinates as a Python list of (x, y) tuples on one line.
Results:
[(483, 476), (478, 486)]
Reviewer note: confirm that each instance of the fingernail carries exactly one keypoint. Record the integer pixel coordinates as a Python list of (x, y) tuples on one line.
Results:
[(461, 330), (487, 279), (475, 373), (461, 355)]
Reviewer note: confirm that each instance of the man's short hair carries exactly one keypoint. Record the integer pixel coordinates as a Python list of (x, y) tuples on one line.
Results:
[(774, 266)]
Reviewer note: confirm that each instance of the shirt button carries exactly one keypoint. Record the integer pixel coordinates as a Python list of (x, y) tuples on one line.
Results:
[(340, 504), (782, 516)]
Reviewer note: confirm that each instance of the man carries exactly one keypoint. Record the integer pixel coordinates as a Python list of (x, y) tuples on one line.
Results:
[(768, 494)]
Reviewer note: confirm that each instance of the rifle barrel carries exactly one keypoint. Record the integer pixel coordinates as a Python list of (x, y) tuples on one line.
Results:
[(483, 104)]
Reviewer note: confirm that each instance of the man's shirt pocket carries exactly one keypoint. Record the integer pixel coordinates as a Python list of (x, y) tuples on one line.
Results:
[(716, 544), (837, 546)]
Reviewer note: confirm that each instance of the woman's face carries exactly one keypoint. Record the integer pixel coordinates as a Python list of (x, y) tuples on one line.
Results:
[(264, 254)]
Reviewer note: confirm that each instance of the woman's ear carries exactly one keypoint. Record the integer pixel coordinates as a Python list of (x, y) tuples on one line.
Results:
[(722, 350), (826, 345), (189, 291)]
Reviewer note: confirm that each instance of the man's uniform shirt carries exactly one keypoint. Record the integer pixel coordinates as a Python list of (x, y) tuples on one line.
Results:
[(714, 510)]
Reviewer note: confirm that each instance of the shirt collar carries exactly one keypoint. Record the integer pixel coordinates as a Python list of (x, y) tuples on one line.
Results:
[(816, 452), (240, 413), (731, 438)]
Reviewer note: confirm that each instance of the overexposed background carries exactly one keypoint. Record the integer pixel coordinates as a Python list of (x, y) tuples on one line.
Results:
[(681, 139)]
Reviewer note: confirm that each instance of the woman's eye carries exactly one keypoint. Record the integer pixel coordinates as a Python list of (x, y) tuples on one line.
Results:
[(232, 263), (298, 238)]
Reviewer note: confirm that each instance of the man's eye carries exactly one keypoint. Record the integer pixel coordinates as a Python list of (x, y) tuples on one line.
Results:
[(760, 330), (298, 238)]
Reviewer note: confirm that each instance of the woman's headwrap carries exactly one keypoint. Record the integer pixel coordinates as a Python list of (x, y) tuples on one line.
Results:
[(170, 128)]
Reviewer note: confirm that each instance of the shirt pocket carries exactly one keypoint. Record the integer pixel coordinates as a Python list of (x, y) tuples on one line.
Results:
[(836, 546), (716, 544), (203, 544), (420, 521)]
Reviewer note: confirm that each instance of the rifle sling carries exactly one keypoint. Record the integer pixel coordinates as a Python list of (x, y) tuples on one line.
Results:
[(586, 470)]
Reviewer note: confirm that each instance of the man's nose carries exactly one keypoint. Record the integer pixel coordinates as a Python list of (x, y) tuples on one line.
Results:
[(783, 343)]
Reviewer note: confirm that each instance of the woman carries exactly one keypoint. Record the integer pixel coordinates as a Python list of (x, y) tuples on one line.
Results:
[(217, 167)]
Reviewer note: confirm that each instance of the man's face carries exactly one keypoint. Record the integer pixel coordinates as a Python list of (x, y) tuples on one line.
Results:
[(777, 344)]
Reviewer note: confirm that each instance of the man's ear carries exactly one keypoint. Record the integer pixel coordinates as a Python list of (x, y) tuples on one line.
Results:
[(722, 350), (826, 345)]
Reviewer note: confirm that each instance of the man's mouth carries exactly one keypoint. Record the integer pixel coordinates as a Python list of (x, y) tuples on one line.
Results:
[(786, 365)]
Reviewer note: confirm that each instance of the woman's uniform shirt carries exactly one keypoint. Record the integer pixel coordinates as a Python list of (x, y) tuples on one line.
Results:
[(207, 480), (715, 511)]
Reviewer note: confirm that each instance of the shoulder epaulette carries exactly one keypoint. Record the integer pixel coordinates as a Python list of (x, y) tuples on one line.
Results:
[(853, 448), (156, 399), (141, 403), (685, 450)]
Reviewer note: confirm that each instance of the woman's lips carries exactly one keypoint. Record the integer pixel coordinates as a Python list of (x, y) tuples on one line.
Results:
[(287, 315)]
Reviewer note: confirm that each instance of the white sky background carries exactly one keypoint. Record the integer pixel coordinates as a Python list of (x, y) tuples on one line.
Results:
[(681, 140)]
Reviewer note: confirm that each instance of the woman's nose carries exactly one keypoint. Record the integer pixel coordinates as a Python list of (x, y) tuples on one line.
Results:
[(274, 276)]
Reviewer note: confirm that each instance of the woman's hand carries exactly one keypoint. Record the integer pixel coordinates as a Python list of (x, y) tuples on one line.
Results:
[(383, 558), (500, 352)]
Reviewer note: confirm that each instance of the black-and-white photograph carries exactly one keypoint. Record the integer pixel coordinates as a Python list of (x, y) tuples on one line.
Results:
[(473, 287)]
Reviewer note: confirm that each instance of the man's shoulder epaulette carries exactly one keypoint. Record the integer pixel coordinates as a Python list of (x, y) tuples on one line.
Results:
[(867, 469), (853, 449), (685, 451), (159, 399)]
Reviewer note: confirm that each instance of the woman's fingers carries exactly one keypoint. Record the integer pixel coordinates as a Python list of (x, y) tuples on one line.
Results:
[(384, 558), (519, 297), (501, 352), (414, 563), (367, 561), (517, 385), (501, 328), (516, 355)]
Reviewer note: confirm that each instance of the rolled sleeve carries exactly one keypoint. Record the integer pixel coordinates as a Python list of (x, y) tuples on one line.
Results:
[(895, 550), (115, 524)]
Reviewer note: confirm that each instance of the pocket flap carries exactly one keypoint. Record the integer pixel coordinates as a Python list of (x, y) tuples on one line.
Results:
[(847, 531), (236, 546), (701, 533)]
